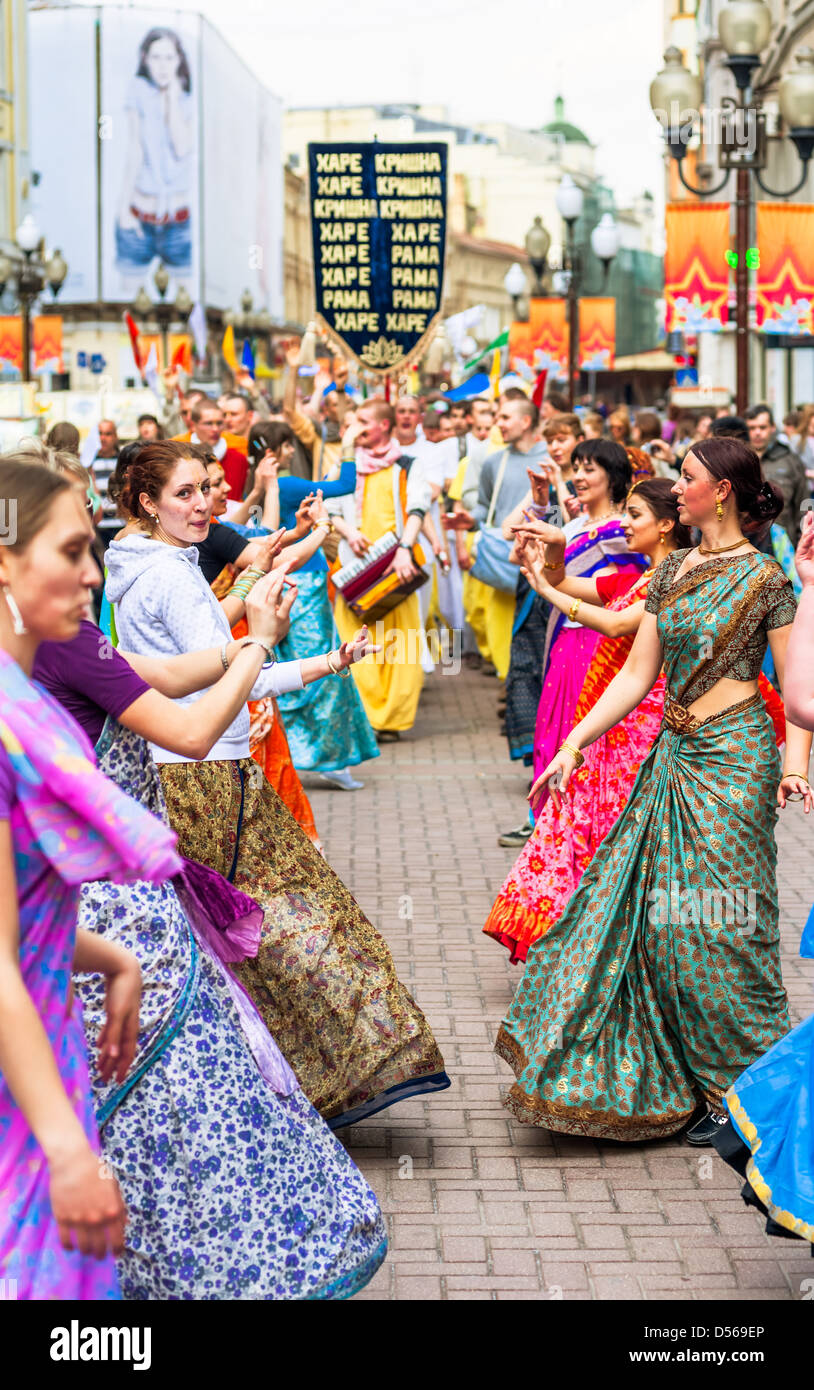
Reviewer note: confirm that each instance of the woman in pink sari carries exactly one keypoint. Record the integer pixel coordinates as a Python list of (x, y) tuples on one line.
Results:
[(571, 827), (61, 824), (594, 543)]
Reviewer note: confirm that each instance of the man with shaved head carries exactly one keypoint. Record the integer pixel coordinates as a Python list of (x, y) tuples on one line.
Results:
[(101, 468)]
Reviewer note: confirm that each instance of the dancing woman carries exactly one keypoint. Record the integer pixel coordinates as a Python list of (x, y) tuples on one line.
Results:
[(769, 1139), (326, 725), (61, 824), (570, 829), (323, 979), (302, 1222), (594, 542), (661, 981)]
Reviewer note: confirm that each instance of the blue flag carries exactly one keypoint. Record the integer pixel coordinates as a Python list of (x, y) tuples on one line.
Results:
[(247, 359)]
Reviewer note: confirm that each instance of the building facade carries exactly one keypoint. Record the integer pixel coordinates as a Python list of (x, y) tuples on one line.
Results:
[(784, 377), (14, 124), (124, 189)]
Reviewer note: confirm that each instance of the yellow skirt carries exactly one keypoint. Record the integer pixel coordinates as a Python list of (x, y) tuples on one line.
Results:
[(389, 682), (490, 614)]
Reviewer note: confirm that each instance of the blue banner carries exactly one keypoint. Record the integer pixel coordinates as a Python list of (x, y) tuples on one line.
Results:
[(378, 221)]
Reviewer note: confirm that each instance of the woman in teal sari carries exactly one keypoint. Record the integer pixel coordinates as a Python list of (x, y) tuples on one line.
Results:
[(661, 981)]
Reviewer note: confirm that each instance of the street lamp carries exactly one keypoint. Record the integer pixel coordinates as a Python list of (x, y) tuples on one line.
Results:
[(744, 27), (515, 285), (161, 311), (31, 274), (538, 245), (570, 202), (605, 242)]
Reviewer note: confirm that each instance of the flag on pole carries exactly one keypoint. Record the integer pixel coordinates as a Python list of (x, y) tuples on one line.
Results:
[(182, 357), (539, 389), (151, 369), (197, 327), (132, 329), (501, 341), (247, 358), (91, 445), (228, 349), (494, 375)]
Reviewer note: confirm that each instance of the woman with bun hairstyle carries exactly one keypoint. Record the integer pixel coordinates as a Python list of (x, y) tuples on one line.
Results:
[(661, 983), (322, 978)]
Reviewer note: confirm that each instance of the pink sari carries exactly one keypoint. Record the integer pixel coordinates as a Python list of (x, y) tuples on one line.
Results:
[(569, 650), (69, 825), (565, 840)]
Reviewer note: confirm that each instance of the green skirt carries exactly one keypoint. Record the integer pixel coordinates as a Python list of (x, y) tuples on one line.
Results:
[(661, 981)]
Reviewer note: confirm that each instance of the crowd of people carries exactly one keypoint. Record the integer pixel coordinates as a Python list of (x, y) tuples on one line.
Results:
[(191, 1001)]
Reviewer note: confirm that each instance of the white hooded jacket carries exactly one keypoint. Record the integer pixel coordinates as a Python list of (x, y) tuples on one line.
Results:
[(164, 607)]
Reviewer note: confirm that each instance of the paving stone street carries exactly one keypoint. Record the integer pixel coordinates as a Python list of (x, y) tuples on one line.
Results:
[(478, 1206)]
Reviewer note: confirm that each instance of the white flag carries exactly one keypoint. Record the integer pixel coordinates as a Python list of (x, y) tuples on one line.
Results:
[(197, 327), (151, 370)]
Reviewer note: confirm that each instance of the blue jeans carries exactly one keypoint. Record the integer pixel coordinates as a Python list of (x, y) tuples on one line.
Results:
[(170, 241)]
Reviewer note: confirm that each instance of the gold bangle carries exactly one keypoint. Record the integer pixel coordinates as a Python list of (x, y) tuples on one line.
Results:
[(802, 776), (569, 748), (574, 609), (559, 566)]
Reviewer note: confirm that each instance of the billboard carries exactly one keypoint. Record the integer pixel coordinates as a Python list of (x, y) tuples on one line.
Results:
[(148, 140), (62, 65), (242, 180), (153, 142)]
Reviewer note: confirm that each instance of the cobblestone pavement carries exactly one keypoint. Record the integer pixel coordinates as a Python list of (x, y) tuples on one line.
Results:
[(478, 1206)]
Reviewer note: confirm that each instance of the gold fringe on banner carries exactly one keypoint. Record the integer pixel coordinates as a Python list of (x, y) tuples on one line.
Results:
[(385, 367)]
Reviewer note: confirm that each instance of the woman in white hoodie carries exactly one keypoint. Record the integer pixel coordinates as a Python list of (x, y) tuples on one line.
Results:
[(323, 979)]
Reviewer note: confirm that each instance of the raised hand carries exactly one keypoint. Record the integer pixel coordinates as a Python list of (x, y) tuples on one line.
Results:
[(804, 558)]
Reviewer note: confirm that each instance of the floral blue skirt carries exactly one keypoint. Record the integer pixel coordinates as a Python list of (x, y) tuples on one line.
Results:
[(325, 723), (234, 1192)]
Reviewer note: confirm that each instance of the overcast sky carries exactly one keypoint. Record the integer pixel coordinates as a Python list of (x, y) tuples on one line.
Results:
[(484, 59)]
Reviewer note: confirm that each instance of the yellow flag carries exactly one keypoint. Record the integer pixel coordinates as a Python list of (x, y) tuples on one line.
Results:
[(494, 375), (228, 348)]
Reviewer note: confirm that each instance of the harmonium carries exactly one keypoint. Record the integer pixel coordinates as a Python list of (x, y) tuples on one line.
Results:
[(365, 586)]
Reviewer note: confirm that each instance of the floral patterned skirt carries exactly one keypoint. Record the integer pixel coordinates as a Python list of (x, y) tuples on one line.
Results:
[(323, 979)]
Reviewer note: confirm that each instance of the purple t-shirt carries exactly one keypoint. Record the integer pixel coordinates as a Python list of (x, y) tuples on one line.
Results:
[(88, 677)]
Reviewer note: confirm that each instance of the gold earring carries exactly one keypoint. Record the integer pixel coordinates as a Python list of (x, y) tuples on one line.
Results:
[(719, 508)]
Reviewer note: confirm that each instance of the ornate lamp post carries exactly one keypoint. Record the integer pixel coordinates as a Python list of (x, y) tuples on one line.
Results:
[(30, 275), (516, 286), (744, 27), (538, 245), (162, 312)]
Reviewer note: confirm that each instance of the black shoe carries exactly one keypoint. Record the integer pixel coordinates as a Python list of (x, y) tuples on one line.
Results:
[(701, 1134), (515, 839), (472, 661), (487, 669), (387, 736)]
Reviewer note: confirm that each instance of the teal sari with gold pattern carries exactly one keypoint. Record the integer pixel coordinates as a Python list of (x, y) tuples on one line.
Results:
[(661, 981)]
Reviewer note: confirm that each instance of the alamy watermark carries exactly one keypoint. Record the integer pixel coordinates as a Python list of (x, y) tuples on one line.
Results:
[(714, 907)]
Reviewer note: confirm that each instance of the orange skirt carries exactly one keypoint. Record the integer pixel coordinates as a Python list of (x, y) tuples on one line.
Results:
[(268, 746)]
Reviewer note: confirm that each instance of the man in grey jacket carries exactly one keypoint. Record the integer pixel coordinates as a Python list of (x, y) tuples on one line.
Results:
[(781, 466)]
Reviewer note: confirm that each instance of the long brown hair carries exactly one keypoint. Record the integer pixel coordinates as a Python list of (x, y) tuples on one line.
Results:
[(732, 461)]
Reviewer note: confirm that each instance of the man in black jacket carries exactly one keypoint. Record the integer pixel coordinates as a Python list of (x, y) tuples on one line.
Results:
[(781, 466)]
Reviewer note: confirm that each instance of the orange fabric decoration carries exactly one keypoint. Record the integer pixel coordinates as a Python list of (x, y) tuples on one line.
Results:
[(696, 273), (785, 278), (597, 335)]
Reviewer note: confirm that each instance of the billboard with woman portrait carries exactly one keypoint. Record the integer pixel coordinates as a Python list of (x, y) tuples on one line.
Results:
[(148, 129)]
